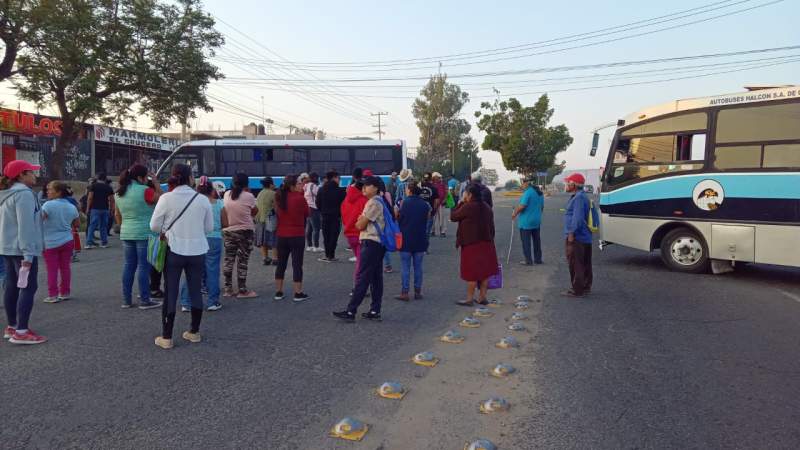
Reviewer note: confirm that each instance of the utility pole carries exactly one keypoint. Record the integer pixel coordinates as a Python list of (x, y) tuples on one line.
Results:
[(379, 126)]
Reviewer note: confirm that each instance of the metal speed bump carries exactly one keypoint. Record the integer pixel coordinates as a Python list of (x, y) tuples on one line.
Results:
[(482, 312), (507, 342), (350, 429), (523, 298), (495, 303), (518, 316), (452, 337), (480, 444), (502, 370), (425, 359), (470, 322), (522, 305), (392, 390), (494, 404), (516, 326)]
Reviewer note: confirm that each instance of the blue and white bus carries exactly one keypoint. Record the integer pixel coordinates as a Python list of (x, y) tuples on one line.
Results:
[(221, 159), (704, 180)]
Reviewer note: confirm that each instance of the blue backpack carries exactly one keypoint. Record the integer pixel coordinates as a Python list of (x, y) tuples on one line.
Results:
[(391, 237)]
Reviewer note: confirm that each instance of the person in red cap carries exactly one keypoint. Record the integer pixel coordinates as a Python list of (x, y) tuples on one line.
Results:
[(579, 237), (21, 245)]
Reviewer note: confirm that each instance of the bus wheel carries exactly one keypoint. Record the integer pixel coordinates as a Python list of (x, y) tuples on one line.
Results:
[(684, 250)]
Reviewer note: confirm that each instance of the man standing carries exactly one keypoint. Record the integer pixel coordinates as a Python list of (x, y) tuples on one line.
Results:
[(329, 201), (391, 188), (579, 238), (440, 219), (98, 204), (529, 213), (431, 195), (486, 193)]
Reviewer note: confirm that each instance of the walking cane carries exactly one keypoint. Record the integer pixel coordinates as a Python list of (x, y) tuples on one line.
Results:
[(510, 242)]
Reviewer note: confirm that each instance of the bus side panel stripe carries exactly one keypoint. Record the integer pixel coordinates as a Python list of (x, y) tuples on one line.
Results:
[(775, 210)]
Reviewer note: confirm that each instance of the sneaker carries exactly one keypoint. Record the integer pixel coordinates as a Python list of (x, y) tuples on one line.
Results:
[(185, 309), (52, 300), (418, 294), (64, 297), (90, 246), (164, 343), (319, 250), (352, 259), (571, 293), (309, 249), (403, 297), (347, 316), (372, 315), (300, 297), (215, 307), (127, 306), (525, 263), (247, 294), (228, 292), (149, 305), (324, 259), (29, 338), (104, 245), (8, 332), (192, 337), (278, 295), (158, 293), (388, 269)]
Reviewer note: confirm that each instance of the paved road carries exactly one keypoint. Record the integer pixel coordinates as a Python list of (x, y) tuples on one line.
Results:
[(653, 360)]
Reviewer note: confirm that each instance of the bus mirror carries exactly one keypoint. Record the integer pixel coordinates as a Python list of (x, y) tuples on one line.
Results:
[(595, 142)]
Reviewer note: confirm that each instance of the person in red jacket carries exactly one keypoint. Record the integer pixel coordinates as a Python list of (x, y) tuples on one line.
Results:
[(292, 210), (352, 207)]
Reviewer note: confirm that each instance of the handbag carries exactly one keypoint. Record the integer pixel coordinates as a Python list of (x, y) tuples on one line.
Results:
[(157, 245), (496, 281)]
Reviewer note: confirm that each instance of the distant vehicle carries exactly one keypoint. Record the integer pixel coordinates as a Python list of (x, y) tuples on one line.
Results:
[(221, 159), (589, 189), (715, 178)]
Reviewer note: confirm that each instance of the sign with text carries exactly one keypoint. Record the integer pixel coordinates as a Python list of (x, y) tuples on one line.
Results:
[(27, 123), (135, 138)]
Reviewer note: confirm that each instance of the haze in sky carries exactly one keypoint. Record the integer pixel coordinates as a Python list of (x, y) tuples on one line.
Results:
[(317, 90)]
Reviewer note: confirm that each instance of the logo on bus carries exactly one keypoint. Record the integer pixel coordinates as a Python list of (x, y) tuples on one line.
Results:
[(708, 195)]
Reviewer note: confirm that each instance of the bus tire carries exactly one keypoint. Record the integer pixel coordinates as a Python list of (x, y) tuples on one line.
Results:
[(684, 250)]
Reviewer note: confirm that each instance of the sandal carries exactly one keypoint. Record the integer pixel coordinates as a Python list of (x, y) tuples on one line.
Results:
[(465, 303), (247, 294), (483, 302)]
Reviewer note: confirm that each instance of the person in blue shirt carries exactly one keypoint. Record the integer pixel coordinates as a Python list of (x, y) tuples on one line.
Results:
[(59, 217), (413, 221), (452, 185), (529, 220), (579, 238)]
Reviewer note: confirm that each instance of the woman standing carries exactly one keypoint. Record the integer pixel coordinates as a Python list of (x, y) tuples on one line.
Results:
[(21, 244), (266, 221), (310, 191), (177, 215), (475, 238), (214, 255), (413, 221), (292, 210), (238, 234), (59, 216), (134, 208)]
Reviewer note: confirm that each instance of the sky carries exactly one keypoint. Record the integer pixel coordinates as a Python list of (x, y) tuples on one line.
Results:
[(291, 54)]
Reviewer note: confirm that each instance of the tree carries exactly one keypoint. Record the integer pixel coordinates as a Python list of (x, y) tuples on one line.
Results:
[(14, 28), (521, 134), (443, 133), (101, 58), (554, 171)]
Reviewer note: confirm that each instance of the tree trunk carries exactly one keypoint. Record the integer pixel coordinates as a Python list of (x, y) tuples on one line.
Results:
[(9, 57), (69, 134)]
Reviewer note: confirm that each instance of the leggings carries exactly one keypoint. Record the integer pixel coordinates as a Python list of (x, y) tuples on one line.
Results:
[(175, 265), (238, 245), (290, 246), (19, 302)]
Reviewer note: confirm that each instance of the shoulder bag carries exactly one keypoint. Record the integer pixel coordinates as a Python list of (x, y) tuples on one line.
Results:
[(157, 245)]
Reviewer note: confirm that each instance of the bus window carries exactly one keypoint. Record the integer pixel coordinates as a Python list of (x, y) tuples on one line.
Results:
[(782, 155), (737, 157), (674, 124), (643, 157), (759, 123)]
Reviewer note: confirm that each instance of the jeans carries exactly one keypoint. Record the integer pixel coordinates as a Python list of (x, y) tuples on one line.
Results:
[(331, 225), (58, 261), (290, 246), (19, 302), (174, 267), (98, 220), (408, 258), (526, 237), (313, 228), (370, 276), (430, 225), (135, 256), (213, 261), (387, 259)]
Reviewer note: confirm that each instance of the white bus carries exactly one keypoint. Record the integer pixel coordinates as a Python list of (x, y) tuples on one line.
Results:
[(221, 159), (703, 180)]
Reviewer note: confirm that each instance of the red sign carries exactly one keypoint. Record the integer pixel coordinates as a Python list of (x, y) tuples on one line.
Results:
[(27, 123)]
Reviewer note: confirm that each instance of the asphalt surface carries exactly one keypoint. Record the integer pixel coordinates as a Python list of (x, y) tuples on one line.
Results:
[(653, 359)]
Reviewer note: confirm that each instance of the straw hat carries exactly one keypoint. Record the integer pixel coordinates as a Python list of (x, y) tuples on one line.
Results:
[(436, 175), (405, 174)]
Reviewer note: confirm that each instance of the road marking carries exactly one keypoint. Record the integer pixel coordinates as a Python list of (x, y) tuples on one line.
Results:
[(794, 297)]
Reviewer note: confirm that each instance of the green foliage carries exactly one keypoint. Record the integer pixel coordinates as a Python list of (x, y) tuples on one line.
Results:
[(512, 185), (105, 58), (522, 135), (14, 29), (443, 132)]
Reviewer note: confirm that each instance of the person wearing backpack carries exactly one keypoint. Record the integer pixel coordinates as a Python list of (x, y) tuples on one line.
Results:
[(372, 222), (578, 237)]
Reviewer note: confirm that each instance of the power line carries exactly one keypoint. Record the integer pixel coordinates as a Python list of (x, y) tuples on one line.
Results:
[(379, 115)]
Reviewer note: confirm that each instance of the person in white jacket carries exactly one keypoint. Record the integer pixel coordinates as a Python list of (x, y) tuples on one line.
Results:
[(177, 216), (21, 245)]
